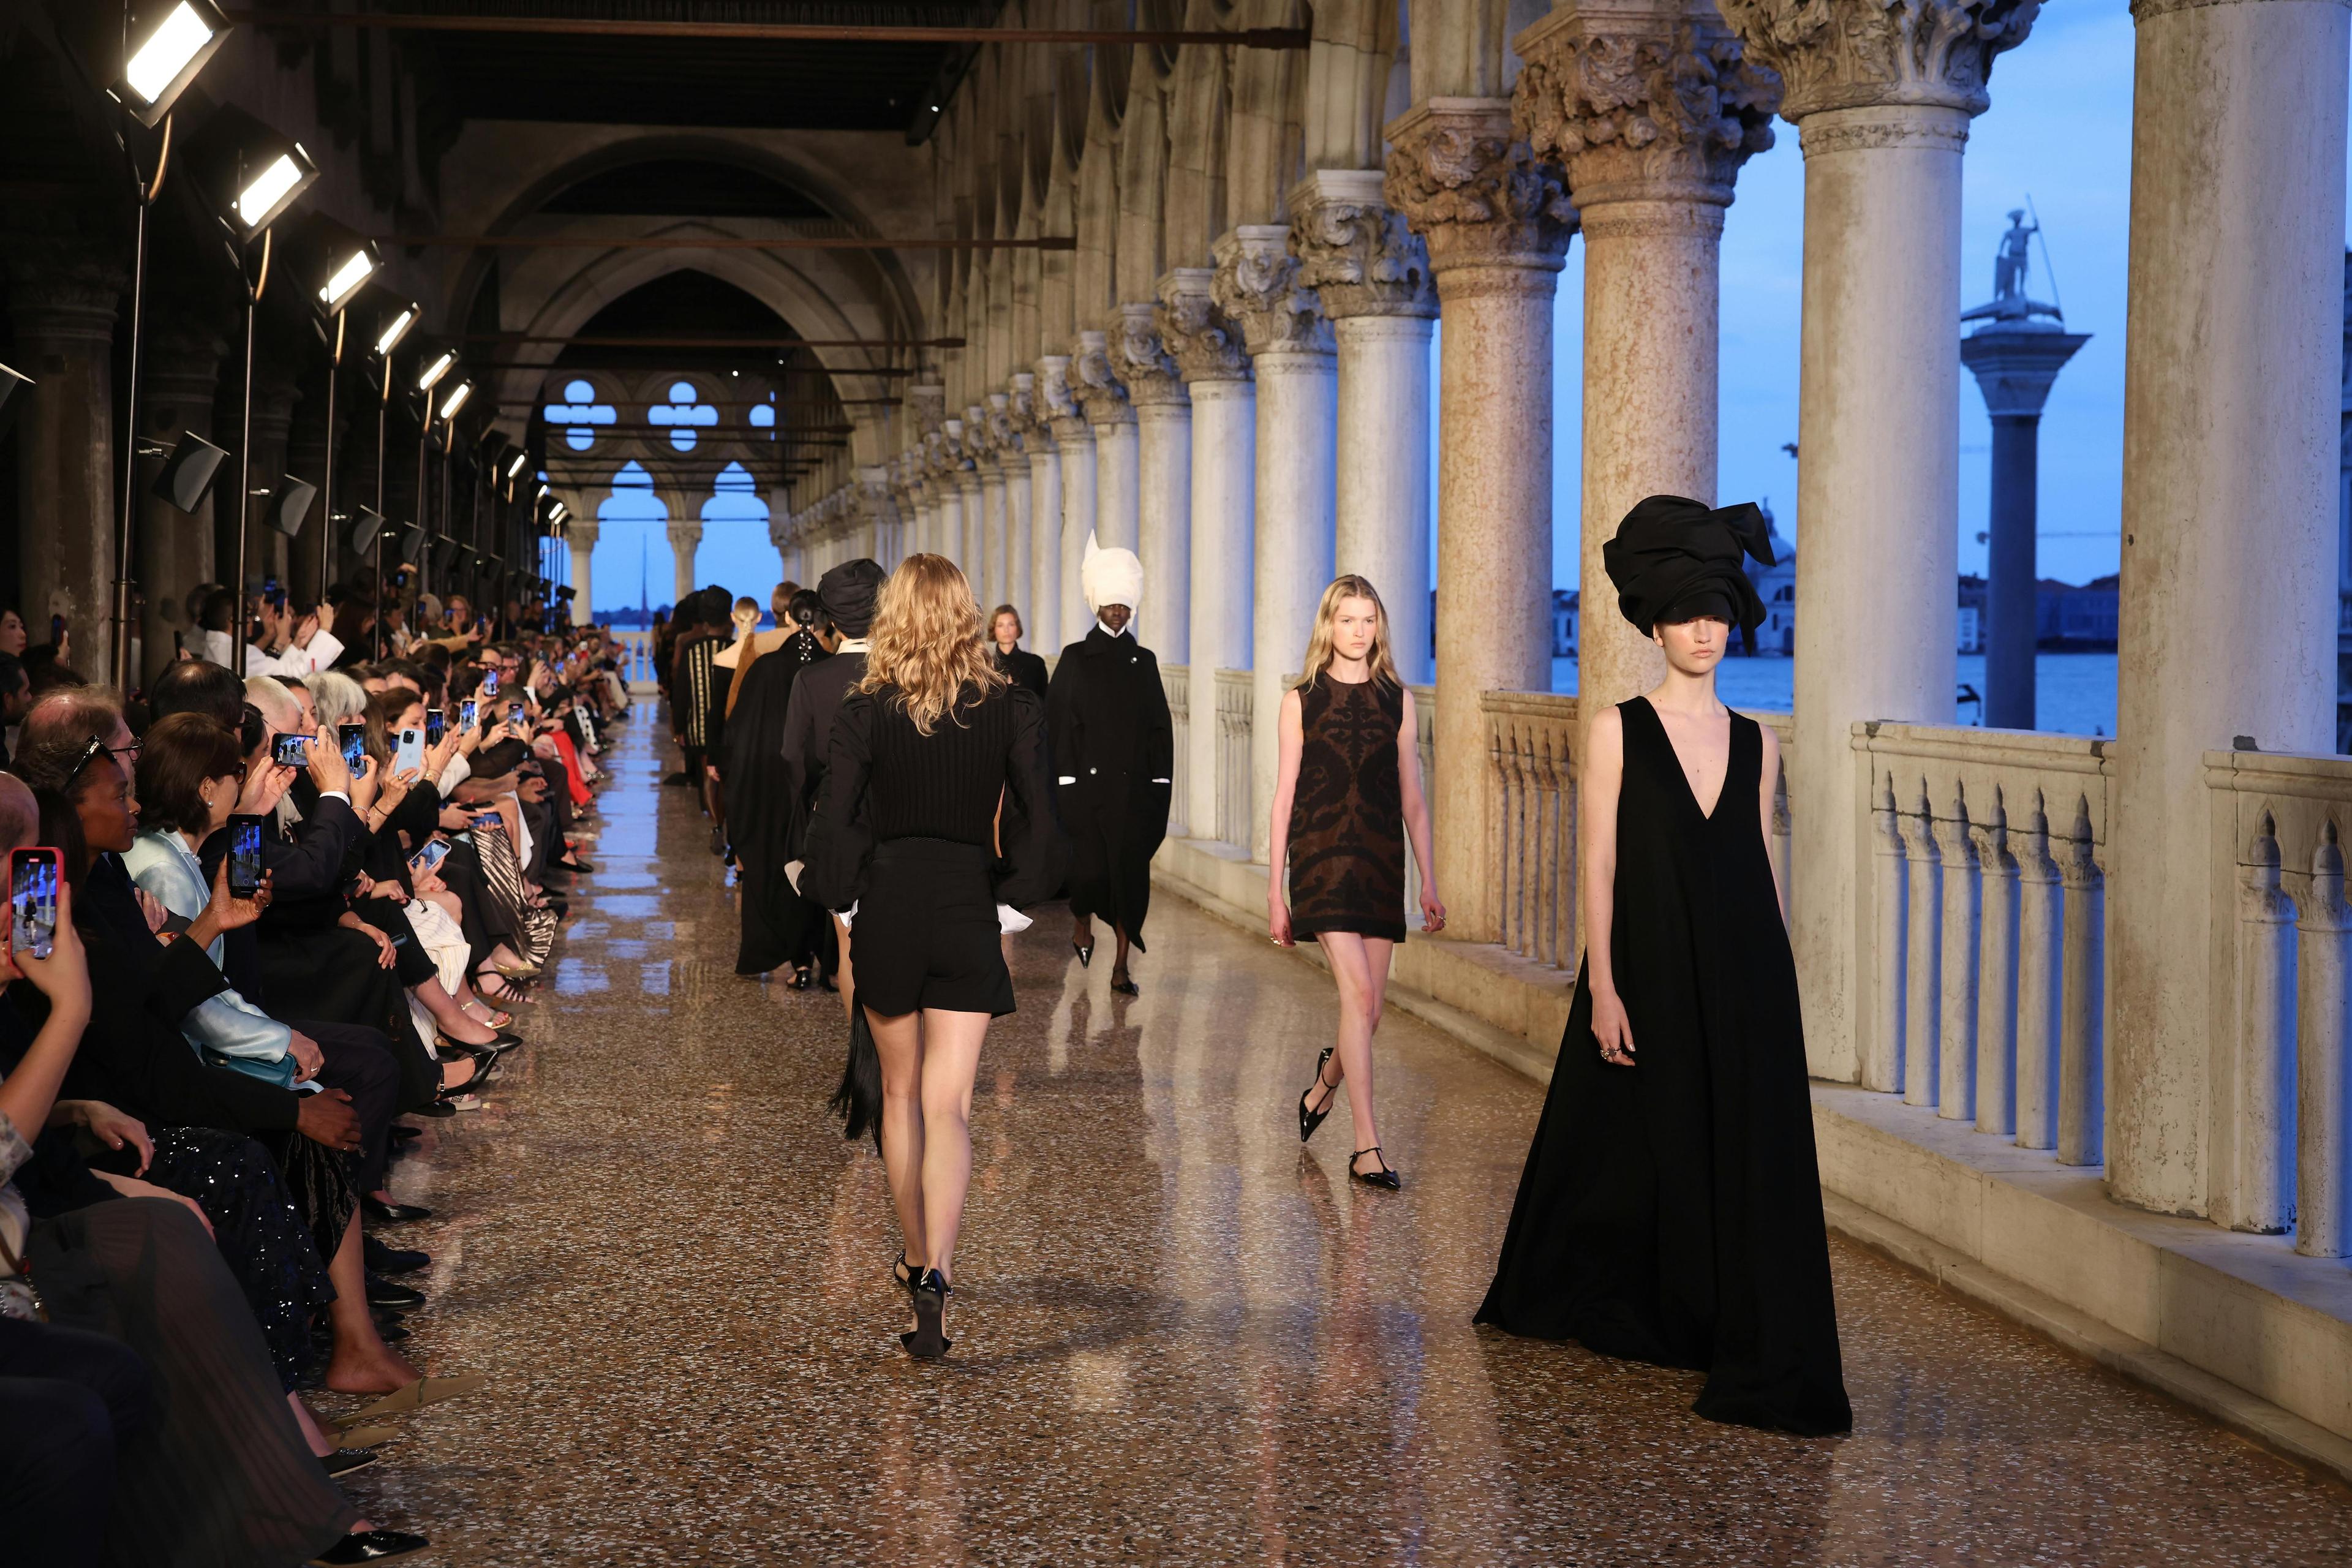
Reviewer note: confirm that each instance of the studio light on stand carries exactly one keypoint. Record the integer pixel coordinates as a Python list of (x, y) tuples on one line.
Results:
[(270, 172), (188, 473), (159, 62), (397, 322), (351, 261)]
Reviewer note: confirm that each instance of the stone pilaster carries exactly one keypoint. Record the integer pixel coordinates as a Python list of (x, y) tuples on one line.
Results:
[(580, 532), (1292, 353), (1652, 115), (63, 294), (989, 540), (1881, 97), (1372, 274), (685, 539), (1496, 219)]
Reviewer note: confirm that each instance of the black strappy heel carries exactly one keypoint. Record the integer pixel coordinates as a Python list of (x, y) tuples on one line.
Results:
[(902, 1274), (1384, 1178), (929, 1341), (1308, 1120), (1086, 954)]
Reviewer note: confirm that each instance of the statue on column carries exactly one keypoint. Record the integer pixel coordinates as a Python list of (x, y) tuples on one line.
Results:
[(2010, 265)]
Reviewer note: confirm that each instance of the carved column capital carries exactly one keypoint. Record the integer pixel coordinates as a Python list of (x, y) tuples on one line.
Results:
[(1477, 193), (1004, 435), (1059, 408), (1862, 54), (1028, 415), (927, 407), (1141, 359), (1358, 253), (1640, 107), (1257, 286), (1204, 344), (1095, 382), (62, 289), (580, 531)]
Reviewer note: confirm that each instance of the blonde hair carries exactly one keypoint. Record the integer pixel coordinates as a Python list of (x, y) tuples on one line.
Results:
[(1318, 642), (928, 642)]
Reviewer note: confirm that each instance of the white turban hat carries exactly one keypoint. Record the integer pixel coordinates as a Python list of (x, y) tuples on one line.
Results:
[(1110, 577)]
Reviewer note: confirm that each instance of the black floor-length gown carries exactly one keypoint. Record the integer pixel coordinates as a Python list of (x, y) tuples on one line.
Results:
[(1670, 1211)]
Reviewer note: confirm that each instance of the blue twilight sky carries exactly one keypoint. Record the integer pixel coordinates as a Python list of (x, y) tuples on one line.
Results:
[(2058, 131)]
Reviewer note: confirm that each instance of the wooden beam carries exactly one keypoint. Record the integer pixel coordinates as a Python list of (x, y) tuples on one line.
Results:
[(642, 343), (769, 32), (722, 242)]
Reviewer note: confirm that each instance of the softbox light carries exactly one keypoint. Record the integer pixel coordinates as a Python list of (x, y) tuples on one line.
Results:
[(412, 543), (364, 531), (291, 506), (444, 555), (188, 473), (12, 382)]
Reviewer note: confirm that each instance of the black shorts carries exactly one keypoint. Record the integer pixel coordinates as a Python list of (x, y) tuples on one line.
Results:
[(926, 932)]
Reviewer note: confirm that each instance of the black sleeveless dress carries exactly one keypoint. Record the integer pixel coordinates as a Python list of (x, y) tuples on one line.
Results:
[(1346, 812), (1671, 1211)]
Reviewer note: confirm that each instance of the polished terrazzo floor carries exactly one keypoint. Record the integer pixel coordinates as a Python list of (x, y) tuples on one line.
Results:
[(1179, 1340)]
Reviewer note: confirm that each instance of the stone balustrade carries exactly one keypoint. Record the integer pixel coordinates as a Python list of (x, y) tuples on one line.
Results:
[(1984, 928), (1234, 701), (1178, 681), (635, 659), (2279, 1082)]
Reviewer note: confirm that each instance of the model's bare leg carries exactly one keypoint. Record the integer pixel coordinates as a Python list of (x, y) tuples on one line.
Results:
[(844, 976), (899, 1042), (1359, 965), (950, 1059)]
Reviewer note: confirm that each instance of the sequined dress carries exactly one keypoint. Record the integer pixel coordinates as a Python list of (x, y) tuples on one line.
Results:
[(1346, 814)]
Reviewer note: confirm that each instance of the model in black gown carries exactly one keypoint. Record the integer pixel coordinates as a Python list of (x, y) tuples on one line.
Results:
[(780, 927), (1670, 1211)]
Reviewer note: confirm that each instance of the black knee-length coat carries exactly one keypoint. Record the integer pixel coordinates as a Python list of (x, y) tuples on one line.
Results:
[(1114, 754)]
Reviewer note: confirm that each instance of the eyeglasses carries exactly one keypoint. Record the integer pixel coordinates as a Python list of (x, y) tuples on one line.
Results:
[(97, 748)]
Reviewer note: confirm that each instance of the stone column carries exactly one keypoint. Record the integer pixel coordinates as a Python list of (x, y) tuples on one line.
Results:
[(1100, 394), (988, 538), (2230, 412), (2015, 363), (182, 376), (1163, 414), (1020, 542), (1882, 99), (1497, 222), (970, 551), (1372, 273), (880, 510), (1208, 352), (947, 496), (1075, 440), (684, 537), (1608, 90), (1047, 631), (61, 302), (579, 538), (1292, 354)]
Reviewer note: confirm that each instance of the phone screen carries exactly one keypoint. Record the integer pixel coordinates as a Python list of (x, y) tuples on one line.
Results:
[(290, 750), (436, 726), (244, 857), (410, 753), (33, 896), (466, 712), (353, 738), (430, 857), (489, 683)]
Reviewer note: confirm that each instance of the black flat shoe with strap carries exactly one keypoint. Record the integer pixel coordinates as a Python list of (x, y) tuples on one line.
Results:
[(1086, 954), (1124, 985), (1309, 1119), (1384, 1178)]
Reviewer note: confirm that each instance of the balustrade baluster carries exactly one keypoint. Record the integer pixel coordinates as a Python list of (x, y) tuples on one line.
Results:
[(2264, 1132), (1996, 1085), (2082, 988), (1517, 822), (2323, 1208), (1956, 1021), (1882, 1063), (2040, 932), (1922, 951)]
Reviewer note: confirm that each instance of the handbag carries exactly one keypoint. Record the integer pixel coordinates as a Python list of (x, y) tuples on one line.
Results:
[(19, 1297)]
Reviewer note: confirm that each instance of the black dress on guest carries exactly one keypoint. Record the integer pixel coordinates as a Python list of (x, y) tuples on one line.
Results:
[(1024, 668), (1347, 812), (908, 829), (1671, 1211), (779, 925)]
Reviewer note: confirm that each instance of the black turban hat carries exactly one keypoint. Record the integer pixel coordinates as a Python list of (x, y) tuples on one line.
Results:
[(1675, 560), (849, 591)]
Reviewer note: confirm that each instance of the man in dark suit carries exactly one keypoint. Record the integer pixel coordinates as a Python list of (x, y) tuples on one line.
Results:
[(848, 591)]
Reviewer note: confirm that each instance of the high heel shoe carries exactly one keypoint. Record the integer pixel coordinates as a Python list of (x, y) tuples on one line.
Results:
[(1086, 954), (902, 1274), (929, 1342), (1308, 1120), (1124, 985), (516, 971), (1384, 1178)]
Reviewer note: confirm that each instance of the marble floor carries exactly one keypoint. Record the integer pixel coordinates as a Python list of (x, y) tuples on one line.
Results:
[(1179, 1339)]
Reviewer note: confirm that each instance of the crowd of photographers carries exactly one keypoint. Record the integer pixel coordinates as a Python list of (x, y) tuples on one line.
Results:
[(262, 929)]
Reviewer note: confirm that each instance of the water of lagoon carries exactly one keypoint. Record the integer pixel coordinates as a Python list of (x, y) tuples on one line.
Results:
[(2074, 695)]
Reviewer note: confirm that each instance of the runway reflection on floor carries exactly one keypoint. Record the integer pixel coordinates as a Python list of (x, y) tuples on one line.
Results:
[(1179, 1339)]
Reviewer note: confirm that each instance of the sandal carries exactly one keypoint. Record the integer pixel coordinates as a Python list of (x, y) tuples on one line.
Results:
[(416, 1395)]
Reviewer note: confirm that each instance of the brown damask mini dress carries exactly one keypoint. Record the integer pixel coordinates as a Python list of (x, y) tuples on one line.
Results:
[(1346, 814)]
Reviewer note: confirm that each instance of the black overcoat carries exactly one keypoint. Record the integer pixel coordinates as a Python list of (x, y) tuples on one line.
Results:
[(1114, 754)]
